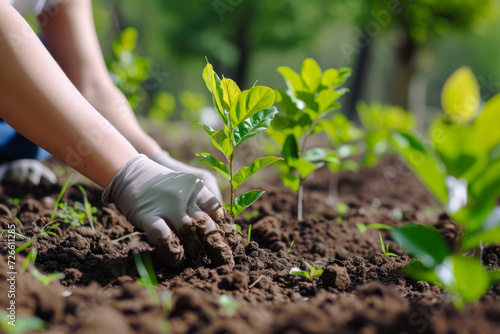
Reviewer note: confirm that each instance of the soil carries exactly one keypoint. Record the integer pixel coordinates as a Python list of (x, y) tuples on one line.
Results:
[(360, 291)]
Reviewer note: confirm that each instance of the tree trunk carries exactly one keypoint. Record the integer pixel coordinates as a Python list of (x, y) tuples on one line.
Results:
[(403, 71), (359, 81), (244, 50)]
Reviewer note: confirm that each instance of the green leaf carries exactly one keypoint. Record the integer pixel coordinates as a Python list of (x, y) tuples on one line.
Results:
[(321, 154), (22, 247), (290, 150), (305, 167), (297, 271), (290, 181), (363, 228), (250, 102), (460, 97), (421, 241), (213, 162), (220, 139), (293, 80), (419, 272), (472, 241), (311, 74), (427, 168), (465, 278), (455, 147), (213, 84), (325, 100), (245, 200), (332, 77), (286, 103), (246, 172), (487, 122), (253, 125), (230, 91)]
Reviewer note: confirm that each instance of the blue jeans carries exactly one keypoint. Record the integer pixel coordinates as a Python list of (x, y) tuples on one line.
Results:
[(14, 146)]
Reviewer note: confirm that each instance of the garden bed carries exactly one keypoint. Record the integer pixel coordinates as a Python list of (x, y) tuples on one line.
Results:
[(361, 291)]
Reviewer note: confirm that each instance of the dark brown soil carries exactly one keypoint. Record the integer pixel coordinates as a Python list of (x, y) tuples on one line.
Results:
[(360, 291)]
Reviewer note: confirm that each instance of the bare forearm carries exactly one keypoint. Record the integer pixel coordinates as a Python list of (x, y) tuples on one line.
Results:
[(40, 102), (113, 105), (73, 42)]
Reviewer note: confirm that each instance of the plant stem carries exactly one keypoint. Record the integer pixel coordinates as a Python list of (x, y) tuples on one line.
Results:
[(333, 194), (231, 160), (300, 196)]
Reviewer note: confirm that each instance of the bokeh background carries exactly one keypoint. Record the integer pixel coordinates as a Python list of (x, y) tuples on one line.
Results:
[(401, 51)]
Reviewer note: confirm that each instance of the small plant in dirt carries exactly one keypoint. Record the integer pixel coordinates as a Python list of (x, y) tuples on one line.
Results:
[(244, 114), (460, 164), (307, 274), (44, 279), (363, 228), (74, 215), (149, 281), (385, 248), (309, 99)]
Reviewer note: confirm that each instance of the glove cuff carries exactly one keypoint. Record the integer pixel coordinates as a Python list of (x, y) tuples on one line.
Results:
[(119, 181)]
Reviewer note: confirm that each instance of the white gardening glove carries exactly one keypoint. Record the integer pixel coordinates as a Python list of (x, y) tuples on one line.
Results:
[(160, 201), (163, 158), (26, 171)]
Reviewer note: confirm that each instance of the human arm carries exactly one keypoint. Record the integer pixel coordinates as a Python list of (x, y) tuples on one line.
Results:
[(72, 39), (70, 33), (40, 102)]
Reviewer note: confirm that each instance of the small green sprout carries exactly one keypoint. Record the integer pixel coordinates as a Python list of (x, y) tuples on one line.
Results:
[(385, 248), (61, 193), (363, 228), (31, 258), (290, 248), (244, 114), (45, 279), (249, 232), (306, 274), (230, 304), (148, 276), (89, 210)]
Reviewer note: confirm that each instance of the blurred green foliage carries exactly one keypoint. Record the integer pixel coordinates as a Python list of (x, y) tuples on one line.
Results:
[(129, 70), (461, 166)]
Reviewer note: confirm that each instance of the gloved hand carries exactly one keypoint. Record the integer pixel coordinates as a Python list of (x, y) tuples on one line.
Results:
[(26, 171), (163, 158), (158, 200)]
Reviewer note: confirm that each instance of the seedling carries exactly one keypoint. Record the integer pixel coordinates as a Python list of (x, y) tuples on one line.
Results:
[(61, 193), (290, 248), (244, 114), (363, 228), (385, 248), (45, 279), (461, 167), (148, 276), (89, 209), (31, 258), (249, 232), (310, 97), (309, 275), (230, 304), (75, 215)]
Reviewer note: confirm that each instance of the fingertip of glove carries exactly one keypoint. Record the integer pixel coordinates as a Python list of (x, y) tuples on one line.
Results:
[(170, 251)]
